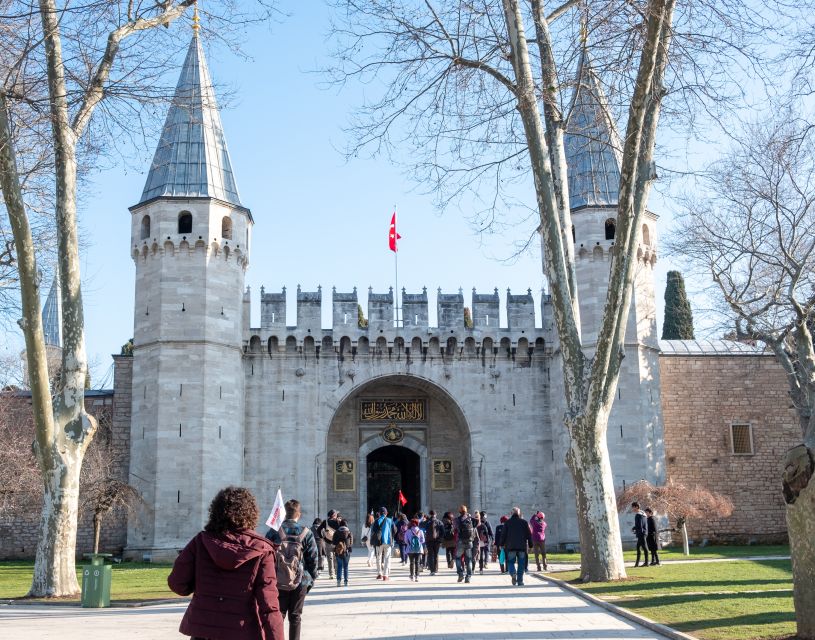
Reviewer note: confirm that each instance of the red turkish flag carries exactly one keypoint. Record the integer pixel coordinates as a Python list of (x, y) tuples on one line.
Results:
[(402, 498), (392, 235)]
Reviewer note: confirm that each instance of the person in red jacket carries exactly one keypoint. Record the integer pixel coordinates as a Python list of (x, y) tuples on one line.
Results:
[(230, 571)]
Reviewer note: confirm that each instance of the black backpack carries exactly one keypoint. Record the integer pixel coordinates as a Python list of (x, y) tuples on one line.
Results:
[(431, 531), (465, 528), (376, 534), (447, 529)]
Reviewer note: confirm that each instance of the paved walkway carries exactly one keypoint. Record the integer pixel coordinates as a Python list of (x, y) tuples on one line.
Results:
[(435, 608)]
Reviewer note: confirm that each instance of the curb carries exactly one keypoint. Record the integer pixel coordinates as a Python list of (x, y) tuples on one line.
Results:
[(76, 603), (649, 624)]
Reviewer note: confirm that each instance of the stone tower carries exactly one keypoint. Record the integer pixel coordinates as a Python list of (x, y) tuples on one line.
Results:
[(593, 154), (190, 238)]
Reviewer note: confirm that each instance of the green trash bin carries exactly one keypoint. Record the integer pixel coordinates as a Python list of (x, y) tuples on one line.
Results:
[(96, 578)]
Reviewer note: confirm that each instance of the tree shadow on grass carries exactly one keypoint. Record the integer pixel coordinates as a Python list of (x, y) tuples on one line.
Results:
[(667, 586), (759, 618)]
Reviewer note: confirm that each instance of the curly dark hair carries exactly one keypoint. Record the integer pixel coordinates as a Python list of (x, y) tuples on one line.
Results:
[(232, 509)]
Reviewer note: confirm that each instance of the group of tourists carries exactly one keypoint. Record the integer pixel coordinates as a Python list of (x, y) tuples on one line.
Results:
[(244, 585), (468, 539)]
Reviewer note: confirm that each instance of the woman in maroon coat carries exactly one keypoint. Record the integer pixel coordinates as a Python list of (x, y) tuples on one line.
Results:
[(230, 570)]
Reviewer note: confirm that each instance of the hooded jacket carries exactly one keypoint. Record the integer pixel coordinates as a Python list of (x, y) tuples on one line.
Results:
[(233, 583), (538, 524)]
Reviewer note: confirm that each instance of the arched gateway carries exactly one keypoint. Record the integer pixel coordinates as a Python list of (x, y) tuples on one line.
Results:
[(397, 432)]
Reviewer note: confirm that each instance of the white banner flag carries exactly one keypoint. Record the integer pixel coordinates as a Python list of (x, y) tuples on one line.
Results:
[(275, 518)]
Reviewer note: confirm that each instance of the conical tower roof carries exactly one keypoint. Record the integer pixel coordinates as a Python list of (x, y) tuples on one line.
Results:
[(593, 149), (52, 315), (192, 159)]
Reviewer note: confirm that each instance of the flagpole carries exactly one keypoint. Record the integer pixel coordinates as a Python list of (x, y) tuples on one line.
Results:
[(396, 269)]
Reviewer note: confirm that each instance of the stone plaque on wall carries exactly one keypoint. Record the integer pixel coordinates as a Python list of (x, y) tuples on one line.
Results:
[(344, 475), (442, 474), (396, 410)]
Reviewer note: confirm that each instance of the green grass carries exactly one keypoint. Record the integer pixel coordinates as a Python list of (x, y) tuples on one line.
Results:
[(132, 582), (696, 553), (715, 601)]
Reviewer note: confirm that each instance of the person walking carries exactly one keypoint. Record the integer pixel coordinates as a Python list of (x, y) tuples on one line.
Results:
[(315, 530), (449, 538), (402, 526), (538, 524), (490, 537), (366, 538), (465, 534), (229, 561), (433, 535), (476, 542), (651, 535), (296, 565), (382, 536), (499, 544), (640, 530), (326, 534), (517, 538), (485, 538), (414, 541), (343, 546)]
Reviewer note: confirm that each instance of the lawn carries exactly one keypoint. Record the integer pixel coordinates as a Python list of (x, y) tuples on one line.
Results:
[(696, 553), (715, 601), (132, 581)]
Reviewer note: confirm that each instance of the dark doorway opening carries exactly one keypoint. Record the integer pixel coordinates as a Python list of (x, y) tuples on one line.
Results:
[(391, 468)]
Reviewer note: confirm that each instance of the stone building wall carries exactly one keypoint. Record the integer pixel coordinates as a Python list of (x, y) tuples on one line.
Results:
[(702, 396)]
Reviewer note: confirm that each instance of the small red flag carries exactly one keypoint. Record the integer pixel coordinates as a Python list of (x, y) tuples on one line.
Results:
[(392, 235), (402, 498)]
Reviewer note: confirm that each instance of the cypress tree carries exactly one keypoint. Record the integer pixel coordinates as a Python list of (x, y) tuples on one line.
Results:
[(678, 324), (362, 322)]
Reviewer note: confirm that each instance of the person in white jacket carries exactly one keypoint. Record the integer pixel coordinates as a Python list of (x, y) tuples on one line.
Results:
[(366, 538)]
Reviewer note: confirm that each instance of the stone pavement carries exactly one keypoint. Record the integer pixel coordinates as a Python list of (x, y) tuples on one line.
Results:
[(489, 608)]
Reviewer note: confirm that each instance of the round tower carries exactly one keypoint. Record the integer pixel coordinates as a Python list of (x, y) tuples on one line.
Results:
[(190, 239)]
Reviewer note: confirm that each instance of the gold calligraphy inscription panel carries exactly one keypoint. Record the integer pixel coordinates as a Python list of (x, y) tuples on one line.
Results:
[(344, 475), (393, 410), (442, 474)]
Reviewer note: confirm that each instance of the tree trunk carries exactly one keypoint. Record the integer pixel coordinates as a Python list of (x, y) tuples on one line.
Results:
[(55, 566), (685, 543), (799, 493), (601, 551)]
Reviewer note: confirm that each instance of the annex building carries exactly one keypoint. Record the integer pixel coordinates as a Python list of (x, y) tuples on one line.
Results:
[(344, 417)]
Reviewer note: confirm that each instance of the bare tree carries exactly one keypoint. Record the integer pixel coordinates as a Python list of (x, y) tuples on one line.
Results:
[(678, 502), (479, 91), (72, 79), (752, 230), (104, 490)]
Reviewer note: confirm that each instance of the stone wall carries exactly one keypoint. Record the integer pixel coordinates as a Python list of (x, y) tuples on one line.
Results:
[(19, 526), (702, 396)]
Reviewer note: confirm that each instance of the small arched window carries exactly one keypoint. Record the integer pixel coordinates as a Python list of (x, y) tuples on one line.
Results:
[(185, 222), (646, 235), (574, 236), (611, 228), (226, 228), (145, 227)]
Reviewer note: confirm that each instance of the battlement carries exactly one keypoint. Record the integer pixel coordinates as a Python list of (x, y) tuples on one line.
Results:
[(382, 335), (485, 311)]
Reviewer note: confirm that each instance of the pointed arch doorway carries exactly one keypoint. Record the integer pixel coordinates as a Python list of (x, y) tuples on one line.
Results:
[(432, 461)]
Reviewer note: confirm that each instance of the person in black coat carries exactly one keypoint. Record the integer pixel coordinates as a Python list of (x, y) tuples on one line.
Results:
[(640, 530), (516, 539), (651, 535)]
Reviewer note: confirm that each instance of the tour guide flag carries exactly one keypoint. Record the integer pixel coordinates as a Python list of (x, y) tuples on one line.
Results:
[(275, 518), (402, 498), (392, 235)]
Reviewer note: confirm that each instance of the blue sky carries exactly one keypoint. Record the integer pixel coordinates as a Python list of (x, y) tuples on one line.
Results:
[(319, 220)]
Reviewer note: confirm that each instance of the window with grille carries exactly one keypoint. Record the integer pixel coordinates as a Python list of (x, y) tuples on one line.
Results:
[(742, 439)]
